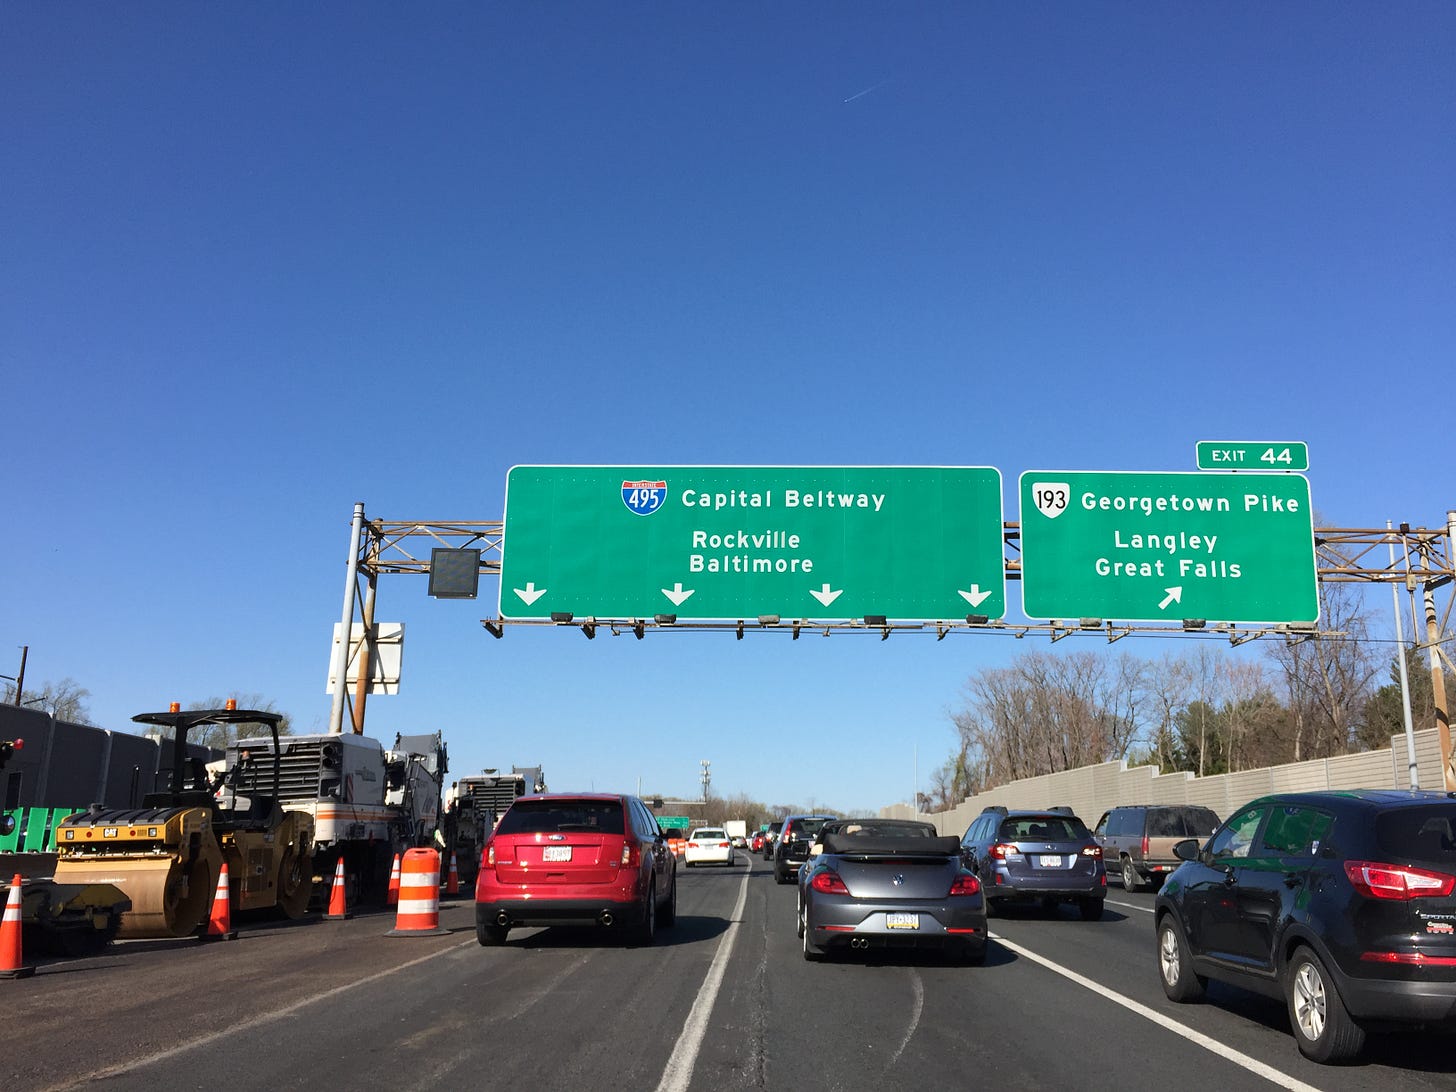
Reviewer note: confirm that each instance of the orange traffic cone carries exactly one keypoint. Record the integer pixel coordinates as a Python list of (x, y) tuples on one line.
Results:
[(220, 921), (338, 909), (392, 898), (10, 962), (452, 885)]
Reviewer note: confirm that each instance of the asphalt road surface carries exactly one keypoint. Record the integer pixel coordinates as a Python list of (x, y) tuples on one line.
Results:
[(723, 1001)]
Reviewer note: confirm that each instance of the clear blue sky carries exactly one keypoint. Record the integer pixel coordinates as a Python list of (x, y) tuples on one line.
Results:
[(260, 262)]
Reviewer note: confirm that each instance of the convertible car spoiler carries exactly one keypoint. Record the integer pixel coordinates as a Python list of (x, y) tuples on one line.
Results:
[(859, 845)]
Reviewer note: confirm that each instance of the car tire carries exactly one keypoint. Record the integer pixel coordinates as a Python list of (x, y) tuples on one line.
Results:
[(1131, 881), (1091, 908), (1050, 904), (1322, 1025), (780, 875), (1175, 965), (993, 907), (490, 936), (646, 931), (668, 914), (799, 923)]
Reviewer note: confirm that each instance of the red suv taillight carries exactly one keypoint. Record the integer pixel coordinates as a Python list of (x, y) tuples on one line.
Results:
[(1401, 882), (828, 883), (489, 854), (629, 853), (965, 885)]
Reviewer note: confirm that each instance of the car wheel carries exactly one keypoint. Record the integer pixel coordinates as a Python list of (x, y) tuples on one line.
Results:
[(1323, 1027), (646, 932), (1131, 881), (1091, 908), (490, 936), (800, 922), (1050, 903), (780, 876), (669, 909), (1175, 966), (812, 952), (993, 907)]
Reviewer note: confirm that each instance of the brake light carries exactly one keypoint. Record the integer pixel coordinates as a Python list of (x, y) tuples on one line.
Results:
[(1094, 852), (489, 854), (828, 883), (965, 885), (629, 853), (1145, 847), (724, 845), (1400, 882), (692, 845), (1001, 851)]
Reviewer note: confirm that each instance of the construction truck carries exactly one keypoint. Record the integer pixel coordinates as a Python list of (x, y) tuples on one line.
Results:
[(166, 856), (367, 803), (473, 806)]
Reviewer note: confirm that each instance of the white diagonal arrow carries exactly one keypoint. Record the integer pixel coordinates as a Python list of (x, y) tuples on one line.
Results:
[(677, 595), (1175, 595), (975, 597), (825, 596), (530, 593)]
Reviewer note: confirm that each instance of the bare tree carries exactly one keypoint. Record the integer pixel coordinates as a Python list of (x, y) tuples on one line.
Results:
[(65, 700), (1329, 679), (1046, 713), (1168, 682)]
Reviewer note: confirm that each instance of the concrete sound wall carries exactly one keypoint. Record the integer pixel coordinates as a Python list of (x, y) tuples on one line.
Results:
[(1092, 790)]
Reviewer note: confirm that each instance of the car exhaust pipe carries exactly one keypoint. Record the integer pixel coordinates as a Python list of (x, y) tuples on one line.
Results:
[(859, 942), (502, 919), (606, 917)]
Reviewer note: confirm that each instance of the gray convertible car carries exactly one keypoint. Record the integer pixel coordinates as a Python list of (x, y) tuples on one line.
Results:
[(889, 883)]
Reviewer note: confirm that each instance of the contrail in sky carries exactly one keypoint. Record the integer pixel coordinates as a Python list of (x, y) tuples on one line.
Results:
[(867, 90)]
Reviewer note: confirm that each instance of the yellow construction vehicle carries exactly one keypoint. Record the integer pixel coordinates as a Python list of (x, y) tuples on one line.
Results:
[(166, 856)]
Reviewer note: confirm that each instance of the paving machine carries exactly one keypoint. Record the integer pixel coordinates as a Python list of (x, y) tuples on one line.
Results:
[(166, 855)]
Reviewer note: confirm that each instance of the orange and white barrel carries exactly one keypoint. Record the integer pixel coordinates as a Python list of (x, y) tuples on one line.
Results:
[(418, 913)]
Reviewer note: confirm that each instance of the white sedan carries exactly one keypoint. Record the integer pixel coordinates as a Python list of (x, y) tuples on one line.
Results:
[(708, 845)]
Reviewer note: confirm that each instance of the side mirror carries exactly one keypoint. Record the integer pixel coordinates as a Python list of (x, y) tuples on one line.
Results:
[(7, 824), (1186, 850)]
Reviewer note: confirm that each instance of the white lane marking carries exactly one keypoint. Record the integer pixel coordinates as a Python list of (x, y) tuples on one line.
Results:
[(1223, 1050), (259, 1021), (914, 1017), (679, 1071), (1132, 906)]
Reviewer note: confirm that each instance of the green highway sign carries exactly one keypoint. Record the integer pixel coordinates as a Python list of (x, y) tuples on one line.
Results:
[(1130, 546), (738, 543), (1251, 455)]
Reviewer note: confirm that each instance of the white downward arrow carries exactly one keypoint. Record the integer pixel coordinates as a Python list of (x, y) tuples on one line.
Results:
[(530, 593), (1175, 595), (825, 596), (677, 595), (975, 597)]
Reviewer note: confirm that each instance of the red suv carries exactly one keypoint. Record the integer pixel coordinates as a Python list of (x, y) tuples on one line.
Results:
[(576, 859)]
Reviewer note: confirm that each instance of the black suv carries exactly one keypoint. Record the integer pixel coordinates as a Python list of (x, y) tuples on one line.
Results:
[(792, 847), (1340, 903), (1026, 856)]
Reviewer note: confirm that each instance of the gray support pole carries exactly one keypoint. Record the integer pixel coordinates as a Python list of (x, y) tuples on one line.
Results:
[(1405, 703), (341, 652), (1438, 677)]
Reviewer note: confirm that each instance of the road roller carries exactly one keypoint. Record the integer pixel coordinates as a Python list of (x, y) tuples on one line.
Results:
[(166, 855)]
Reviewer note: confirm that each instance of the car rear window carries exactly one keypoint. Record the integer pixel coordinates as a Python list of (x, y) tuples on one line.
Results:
[(1181, 822), (1044, 828), (1422, 834), (709, 832), (804, 828), (562, 816)]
